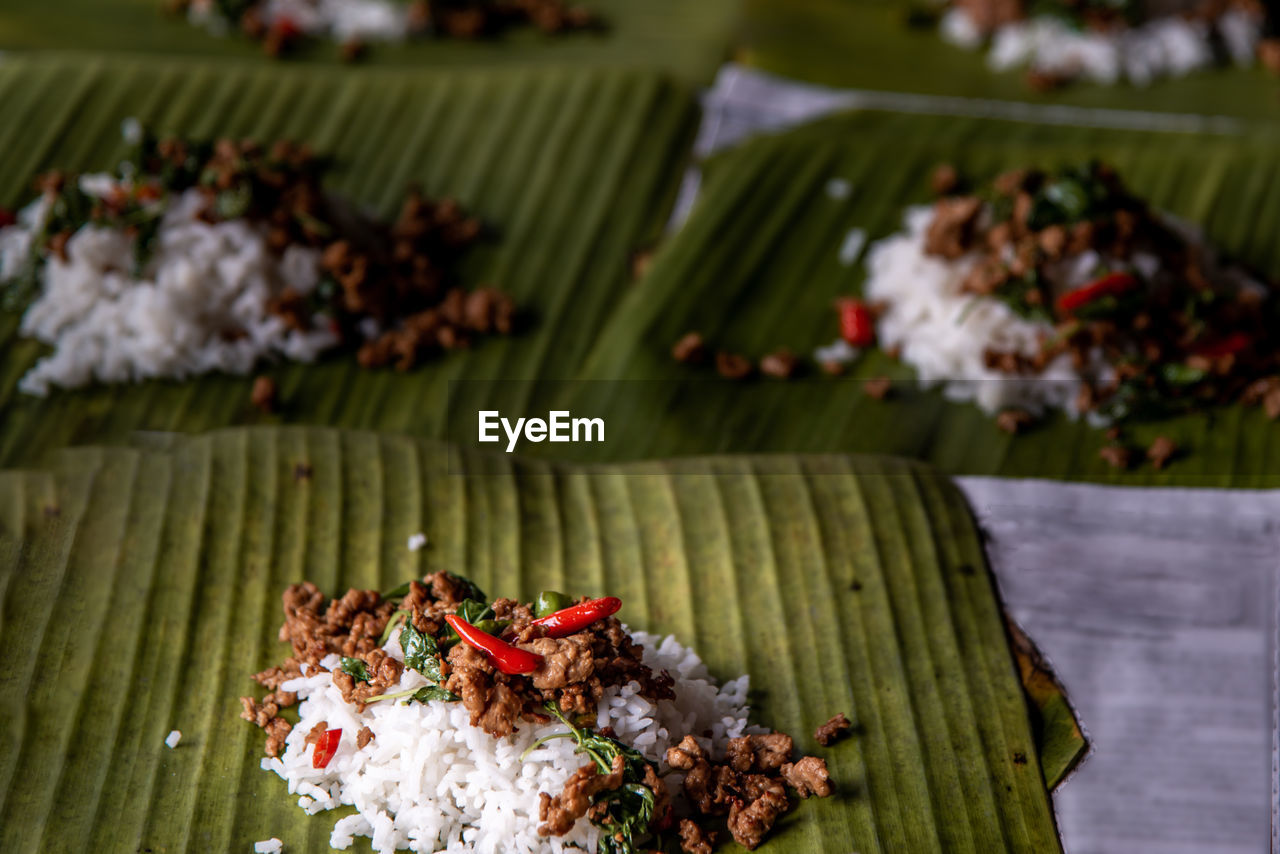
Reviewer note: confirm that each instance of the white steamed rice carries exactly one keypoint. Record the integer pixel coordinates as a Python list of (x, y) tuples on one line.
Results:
[(429, 781), (200, 304), (342, 20), (943, 331), (1167, 46)]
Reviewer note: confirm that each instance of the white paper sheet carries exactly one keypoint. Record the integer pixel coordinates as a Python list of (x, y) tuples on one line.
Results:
[(1157, 609)]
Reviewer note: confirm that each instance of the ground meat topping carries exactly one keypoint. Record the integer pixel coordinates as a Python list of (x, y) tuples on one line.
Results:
[(877, 388), (565, 660), (690, 348), (1116, 456), (316, 732), (750, 820), (263, 395), (695, 840), (950, 233), (1161, 451), (561, 812), (731, 366), (833, 729), (808, 776), (780, 364), (748, 785), (1014, 420)]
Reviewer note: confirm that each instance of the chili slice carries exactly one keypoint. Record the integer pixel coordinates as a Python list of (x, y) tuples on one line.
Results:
[(857, 325), (1112, 284), (1228, 346), (575, 618), (509, 659), (326, 746)]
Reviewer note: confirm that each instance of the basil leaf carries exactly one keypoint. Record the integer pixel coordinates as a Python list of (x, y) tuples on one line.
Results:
[(392, 622), (550, 601), (470, 589), (234, 203), (420, 652), (356, 668), (435, 692), (398, 592), (473, 611), (1176, 373)]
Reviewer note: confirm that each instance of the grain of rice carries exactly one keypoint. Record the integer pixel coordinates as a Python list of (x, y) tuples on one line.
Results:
[(852, 245)]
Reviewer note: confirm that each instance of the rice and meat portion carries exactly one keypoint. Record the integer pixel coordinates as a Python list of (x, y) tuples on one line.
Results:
[(215, 256), (1107, 41), (280, 25), (454, 723), (1061, 289)]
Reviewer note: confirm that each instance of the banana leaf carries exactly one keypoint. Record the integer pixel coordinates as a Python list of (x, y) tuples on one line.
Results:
[(576, 171), (870, 44), (757, 266), (573, 171), (141, 588), (687, 39)]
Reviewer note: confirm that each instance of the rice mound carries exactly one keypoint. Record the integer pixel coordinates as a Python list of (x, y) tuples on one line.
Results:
[(429, 781), (343, 20), (1168, 46), (199, 305), (943, 331)]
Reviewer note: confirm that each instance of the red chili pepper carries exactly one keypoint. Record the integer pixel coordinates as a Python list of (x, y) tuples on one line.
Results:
[(575, 618), (147, 192), (286, 28), (502, 655), (326, 747), (857, 326), (1111, 284), (7, 217), (1232, 344)]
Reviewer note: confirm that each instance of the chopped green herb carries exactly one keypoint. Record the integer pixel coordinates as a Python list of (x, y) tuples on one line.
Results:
[(392, 622), (355, 668), (470, 589), (1016, 293), (1179, 374), (421, 653), (435, 692), (473, 612), (398, 592)]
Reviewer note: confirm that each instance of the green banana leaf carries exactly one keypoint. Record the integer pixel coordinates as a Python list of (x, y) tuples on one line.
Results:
[(868, 44), (573, 170), (757, 267), (576, 172), (141, 588), (687, 39)]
